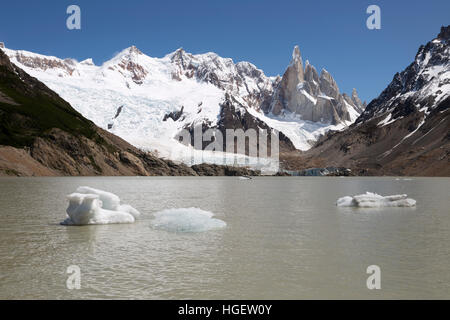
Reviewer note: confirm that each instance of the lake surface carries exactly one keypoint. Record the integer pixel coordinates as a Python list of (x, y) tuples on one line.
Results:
[(285, 239)]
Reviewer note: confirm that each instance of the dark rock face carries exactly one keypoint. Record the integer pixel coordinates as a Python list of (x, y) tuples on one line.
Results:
[(118, 112), (234, 116), (44, 63), (444, 34), (420, 85), (175, 115)]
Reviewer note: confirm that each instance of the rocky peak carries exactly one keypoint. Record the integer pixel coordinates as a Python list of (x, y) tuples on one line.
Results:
[(88, 62), (130, 61), (2, 45), (313, 97), (444, 34), (328, 85), (179, 52), (134, 50), (357, 101), (423, 85), (241, 79), (296, 65), (128, 54), (181, 58), (311, 73)]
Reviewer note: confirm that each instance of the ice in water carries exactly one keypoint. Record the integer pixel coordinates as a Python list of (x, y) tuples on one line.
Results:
[(92, 206), (109, 200), (373, 200), (186, 220)]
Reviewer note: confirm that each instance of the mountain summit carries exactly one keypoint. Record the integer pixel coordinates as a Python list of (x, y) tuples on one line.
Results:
[(302, 92), (405, 130)]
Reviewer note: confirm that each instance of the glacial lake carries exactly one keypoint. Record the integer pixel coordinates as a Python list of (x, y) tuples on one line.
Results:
[(285, 239)]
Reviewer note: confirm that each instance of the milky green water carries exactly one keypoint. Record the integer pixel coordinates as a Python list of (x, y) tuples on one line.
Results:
[(285, 239)]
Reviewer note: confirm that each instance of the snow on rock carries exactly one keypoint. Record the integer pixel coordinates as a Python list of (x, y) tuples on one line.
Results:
[(149, 88), (373, 200), (186, 220), (422, 86), (92, 206)]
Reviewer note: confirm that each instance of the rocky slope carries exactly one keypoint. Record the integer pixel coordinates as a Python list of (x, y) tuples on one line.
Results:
[(405, 131), (41, 134)]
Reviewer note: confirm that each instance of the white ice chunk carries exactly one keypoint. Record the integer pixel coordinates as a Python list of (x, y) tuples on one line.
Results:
[(373, 200), (87, 209), (186, 220), (109, 200), (129, 209), (345, 202)]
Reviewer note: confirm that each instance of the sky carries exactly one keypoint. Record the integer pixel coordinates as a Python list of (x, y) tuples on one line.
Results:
[(331, 34)]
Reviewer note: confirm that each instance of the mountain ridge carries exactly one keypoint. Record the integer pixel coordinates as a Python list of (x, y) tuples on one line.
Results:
[(149, 90), (405, 130), (41, 134)]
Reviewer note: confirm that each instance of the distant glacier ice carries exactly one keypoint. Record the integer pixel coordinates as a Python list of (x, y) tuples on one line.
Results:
[(373, 200)]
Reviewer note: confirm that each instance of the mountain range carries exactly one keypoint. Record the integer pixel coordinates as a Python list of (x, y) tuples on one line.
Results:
[(146, 101), (41, 134)]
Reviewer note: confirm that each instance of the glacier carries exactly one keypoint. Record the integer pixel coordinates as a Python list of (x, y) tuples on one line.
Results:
[(186, 220), (93, 206), (373, 200), (131, 94)]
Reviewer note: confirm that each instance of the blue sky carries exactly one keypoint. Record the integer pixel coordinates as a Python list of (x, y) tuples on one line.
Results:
[(331, 34)]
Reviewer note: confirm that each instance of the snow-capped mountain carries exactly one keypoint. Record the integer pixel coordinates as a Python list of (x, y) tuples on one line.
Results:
[(316, 98), (421, 87), (406, 129), (147, 100), (42, 135)]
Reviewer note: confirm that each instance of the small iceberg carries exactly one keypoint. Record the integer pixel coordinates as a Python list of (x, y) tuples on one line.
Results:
[(186, 220), (373, 200), (92, 206)]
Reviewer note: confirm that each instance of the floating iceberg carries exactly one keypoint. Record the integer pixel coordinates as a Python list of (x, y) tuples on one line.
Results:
[(92, 206), (110, 201), (373, 200), (186, 220)]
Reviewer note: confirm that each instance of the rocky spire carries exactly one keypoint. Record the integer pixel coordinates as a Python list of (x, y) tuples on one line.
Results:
[(313, 97), (328, 85), (297, 63), (311, 73), (357, 101), (445, 33)]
